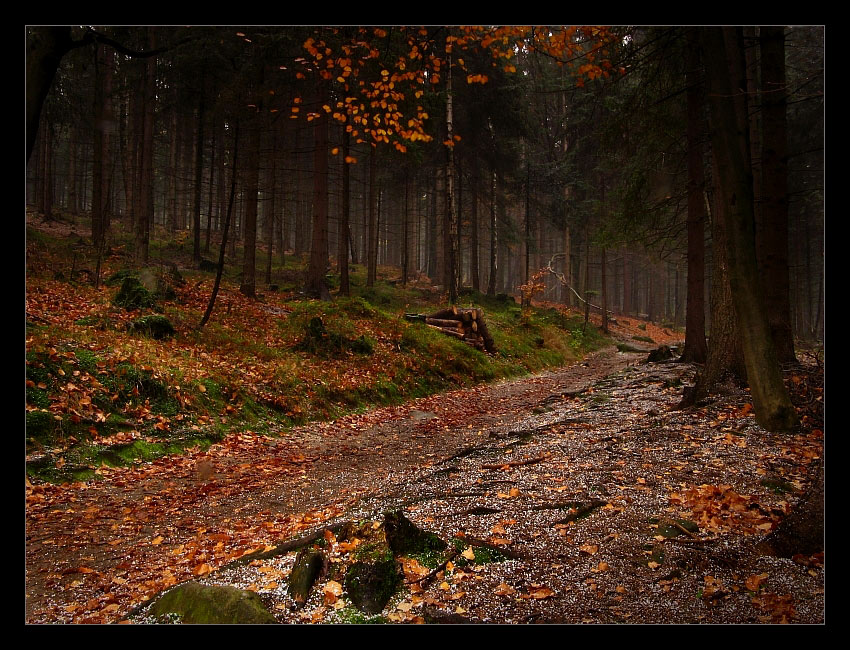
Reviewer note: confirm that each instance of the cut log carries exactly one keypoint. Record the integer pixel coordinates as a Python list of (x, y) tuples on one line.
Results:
[(449, 314), (466, 324), (489, 343), (457, 334), (443, 322)]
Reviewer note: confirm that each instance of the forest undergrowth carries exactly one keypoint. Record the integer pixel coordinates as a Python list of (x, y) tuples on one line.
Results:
[(151, 462)]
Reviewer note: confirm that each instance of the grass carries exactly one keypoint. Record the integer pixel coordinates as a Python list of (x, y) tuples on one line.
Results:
[(90, 377)]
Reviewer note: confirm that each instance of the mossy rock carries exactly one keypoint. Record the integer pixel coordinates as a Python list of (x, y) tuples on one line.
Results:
[(194, 603), (117, 278), (133, 295), (659, 354), (320, 342), (405, 538), (370, 585), (156, 327)]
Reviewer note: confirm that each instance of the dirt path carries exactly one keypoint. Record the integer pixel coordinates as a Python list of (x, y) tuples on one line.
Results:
[(94, 551)]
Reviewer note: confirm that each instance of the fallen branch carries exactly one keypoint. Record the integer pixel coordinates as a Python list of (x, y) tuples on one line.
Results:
[(451, 556), (483, 543), (517, 463), (581, 511)]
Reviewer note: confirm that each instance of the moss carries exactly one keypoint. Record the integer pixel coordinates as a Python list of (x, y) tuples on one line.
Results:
[(370, 585), (133, 295), (39, 424), (777, 486), (155, 326), (483, 554), (352, 616), (204, 604)]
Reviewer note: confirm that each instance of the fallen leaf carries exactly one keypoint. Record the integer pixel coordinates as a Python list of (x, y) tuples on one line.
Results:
[(504, 589), (754, 582)]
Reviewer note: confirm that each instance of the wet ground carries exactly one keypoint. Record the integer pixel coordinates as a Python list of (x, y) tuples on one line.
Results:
[(509, 464)]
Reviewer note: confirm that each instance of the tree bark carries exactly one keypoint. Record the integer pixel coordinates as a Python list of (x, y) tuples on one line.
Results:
[(372, 230), (225, 229), (248, 285), (696, 350), (45, 48), (316, 283), (345, 218), (774, 201), (199, 169), (730, 143), (145, 216)]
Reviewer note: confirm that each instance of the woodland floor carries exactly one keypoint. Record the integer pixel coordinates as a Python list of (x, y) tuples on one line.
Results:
[(503, 463)]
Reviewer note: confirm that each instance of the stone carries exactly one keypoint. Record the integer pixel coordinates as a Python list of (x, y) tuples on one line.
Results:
[(194, 603)]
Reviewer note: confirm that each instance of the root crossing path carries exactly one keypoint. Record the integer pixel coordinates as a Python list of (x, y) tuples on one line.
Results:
[(510, 463)]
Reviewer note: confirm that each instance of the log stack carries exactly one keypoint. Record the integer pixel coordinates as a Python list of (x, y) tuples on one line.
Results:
[(465, 324)]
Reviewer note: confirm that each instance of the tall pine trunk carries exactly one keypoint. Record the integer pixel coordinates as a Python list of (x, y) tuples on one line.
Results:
[(316, 283), (774, 202), (696, 350), (729, 134)]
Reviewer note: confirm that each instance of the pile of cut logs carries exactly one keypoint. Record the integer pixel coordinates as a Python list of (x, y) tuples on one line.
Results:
[(466, 324)]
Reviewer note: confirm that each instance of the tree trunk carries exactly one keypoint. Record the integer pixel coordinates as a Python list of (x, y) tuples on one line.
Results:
[(802, 531), (345, 218), (146, 210), (372, 230), (452, 252), (269, 207), (730, 143), (199, 169), (696, 350), (250, 187), (45, 48), (774, 201), (491, 280), (474, 269), (225, 229), (316, 283)]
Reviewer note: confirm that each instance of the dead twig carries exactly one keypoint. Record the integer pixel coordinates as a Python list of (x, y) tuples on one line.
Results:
[(517, 463), (451, 556)]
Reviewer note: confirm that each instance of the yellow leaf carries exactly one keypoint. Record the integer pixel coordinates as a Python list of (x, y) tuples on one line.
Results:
[(202, 569), (469, 554), (156, 541)]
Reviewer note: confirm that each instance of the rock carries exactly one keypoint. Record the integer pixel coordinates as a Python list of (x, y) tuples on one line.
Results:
[(208, 266), (133, 295), (370, 583), (659, 354), (194, 603), (155, 326), (418, 416), (405, 538)]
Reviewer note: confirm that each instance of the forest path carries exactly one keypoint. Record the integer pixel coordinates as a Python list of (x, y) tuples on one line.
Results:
[(601, 428)]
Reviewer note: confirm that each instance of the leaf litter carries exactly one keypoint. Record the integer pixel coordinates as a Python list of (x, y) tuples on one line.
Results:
[(573, 474)]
